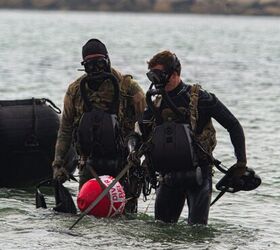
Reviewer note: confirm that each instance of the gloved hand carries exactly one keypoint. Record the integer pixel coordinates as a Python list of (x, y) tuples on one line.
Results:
[(238, 169), (60, 173), (132, 157)]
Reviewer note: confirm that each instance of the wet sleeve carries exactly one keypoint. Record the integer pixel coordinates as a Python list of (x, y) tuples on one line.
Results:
[(223, 116), (64, 137)]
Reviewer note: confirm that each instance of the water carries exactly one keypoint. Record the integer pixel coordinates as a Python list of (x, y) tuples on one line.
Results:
[(235, 57)]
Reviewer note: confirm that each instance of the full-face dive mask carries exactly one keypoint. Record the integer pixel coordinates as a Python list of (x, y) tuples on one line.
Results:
[(96, 65)]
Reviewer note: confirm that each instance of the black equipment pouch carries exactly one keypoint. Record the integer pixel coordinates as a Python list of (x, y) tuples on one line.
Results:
[(172, 148), (97, 134)]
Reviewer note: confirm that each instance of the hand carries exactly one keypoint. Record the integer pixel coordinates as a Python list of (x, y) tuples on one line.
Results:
[(60, 173), (133, 158), (239, 169)]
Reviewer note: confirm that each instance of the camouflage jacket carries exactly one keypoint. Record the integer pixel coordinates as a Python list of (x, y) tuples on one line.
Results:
[(132, 105)]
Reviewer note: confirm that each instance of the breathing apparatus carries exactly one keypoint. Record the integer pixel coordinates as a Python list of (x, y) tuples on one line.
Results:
[(95, 57), (159, 78), (97, 65), (164, 133), (94, 82), (98, 70)]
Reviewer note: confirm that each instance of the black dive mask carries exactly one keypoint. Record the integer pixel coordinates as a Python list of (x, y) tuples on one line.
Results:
[(96, 65), (158, 77)]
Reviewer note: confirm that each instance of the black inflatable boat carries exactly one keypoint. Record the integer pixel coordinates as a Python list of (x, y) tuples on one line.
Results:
[(28, 131)]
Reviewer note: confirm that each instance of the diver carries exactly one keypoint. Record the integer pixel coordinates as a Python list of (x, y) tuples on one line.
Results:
[(100, 110), (177, 124)]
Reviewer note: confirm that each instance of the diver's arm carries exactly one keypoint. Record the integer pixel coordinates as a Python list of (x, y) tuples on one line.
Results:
[(64, 137), (223, 116)]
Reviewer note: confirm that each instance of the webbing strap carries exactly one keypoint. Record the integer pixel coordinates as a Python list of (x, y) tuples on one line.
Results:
[(193, 105)]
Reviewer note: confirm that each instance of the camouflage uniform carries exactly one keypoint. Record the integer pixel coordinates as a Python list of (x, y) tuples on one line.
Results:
[(132, 104)]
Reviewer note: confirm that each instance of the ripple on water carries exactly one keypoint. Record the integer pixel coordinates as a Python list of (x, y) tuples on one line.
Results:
[(237, 58)]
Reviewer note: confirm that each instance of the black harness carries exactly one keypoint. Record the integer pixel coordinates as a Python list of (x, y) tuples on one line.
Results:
[(172, 143), (98, 132)]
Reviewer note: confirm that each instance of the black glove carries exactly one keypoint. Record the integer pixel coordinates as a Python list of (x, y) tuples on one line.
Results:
[(238, 169), (60, 173), (133, 158)]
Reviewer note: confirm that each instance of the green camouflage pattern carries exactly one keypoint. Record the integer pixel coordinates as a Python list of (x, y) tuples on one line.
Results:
[(207, 138), (132, 104), (168, 115)]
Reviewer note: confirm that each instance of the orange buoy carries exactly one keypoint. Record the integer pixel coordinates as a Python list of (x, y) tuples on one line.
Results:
[(111, 205)]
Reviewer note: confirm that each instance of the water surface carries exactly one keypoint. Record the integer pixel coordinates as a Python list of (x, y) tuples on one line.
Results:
[(237, 58)]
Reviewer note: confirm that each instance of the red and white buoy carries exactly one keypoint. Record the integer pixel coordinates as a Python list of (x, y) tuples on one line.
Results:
[(111, 205)]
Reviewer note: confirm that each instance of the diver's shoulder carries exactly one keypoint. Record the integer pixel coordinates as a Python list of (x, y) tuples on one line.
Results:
[(128, 84), (74, 87), (117, 74), (207, 98)]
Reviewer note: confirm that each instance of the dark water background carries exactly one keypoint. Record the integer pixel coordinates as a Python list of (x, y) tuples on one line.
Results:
[(235, 57)]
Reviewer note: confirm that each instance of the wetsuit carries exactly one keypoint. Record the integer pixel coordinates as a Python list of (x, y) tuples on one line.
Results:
[(170, 198)]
